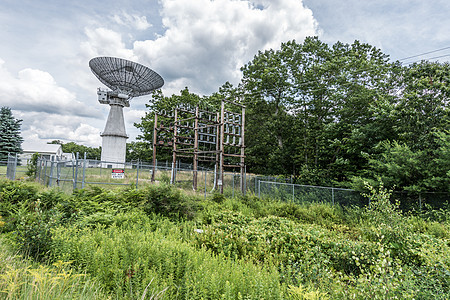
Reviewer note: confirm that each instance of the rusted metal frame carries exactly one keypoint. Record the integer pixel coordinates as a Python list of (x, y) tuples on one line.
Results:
[(232, 166), (194, 182), (211, 151), (232, 155), (216, 168), (187, 119), (222, 136), (173, 178)]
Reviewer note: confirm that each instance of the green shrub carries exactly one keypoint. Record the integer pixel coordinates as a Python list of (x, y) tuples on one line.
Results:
[(168, 201), (126, 260)]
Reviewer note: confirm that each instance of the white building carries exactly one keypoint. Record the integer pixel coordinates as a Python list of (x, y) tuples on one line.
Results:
[(48, 151)]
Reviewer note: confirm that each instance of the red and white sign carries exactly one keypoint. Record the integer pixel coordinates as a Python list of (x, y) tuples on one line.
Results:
[(118, 174)]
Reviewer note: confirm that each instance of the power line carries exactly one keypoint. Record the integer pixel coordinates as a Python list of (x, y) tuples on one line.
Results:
[(445, 48), (436, 57)]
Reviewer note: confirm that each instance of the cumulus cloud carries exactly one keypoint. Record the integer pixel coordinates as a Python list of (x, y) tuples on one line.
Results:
[(104, 42), (134, 21), (39, 128), (206, 42), (36, 90)]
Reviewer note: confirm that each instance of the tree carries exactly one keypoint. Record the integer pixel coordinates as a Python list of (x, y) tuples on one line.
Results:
[(139, 150), (10, 139), (71, 147), (312, 108)]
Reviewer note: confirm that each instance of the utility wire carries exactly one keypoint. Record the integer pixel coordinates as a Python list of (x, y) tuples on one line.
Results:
[(436, 57), (445, 48)]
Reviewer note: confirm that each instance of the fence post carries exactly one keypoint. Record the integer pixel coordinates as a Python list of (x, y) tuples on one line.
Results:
[(39, 162), (233, 186), (332, 196), (245, 180), (76, 173), (11, 165), (137, 174), (58, 173), (15, 166), (293, 193), (45, 173), (50, 181), (259, 189), (84, 170), (205, 181)]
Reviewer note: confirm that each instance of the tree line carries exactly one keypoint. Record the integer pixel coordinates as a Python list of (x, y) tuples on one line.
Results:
[(338, 115)]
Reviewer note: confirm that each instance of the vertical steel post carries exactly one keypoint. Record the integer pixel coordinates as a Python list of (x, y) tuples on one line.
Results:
[(45, 173), (58, 173), (205, 181), (332, 196), (84, 170), (75, 181), (39, 162), (137, 174), (243, 151), (154, 147), (245, 180), (259, 189), (222, 136), (51, 172), (216, 166), (233, 186), (293, 193), (194, 181), (173, 177)]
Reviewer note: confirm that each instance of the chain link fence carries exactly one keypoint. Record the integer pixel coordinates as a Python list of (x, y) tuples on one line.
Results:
[(12, 167), (297, 193), (78, 173)]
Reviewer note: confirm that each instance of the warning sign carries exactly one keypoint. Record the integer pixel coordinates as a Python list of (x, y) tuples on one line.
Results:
[(118, 174)]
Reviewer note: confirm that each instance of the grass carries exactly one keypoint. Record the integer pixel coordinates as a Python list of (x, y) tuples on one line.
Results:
[(161, 242), (23, 279)]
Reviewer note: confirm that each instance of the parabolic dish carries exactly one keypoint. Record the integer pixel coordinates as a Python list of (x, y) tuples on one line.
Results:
[(125, 76)]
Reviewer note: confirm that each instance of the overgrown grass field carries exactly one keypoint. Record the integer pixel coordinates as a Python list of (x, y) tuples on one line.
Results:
[(160, 243)]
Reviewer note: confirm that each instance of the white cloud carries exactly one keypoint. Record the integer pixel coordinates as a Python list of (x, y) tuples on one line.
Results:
[(36, 90), (46, 127), (206, 42), (104, 42), (133, 21)]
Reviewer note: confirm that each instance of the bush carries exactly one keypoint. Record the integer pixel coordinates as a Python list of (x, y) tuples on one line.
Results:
[(126, 260)]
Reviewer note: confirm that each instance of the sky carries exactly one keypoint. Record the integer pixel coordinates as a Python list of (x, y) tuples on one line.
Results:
[(200, 44)]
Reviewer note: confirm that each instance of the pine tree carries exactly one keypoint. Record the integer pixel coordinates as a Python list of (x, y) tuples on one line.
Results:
[(10, 139)]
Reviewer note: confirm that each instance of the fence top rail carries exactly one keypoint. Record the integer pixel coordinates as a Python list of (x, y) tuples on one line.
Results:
[(303, 185)]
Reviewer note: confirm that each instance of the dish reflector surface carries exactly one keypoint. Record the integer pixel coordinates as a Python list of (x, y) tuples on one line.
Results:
[(125, 76)]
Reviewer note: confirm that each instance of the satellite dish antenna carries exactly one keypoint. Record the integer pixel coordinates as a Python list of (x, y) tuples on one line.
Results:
[(126, 79)]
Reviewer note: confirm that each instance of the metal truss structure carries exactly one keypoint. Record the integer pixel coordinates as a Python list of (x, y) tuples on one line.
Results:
[(205, 136)]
